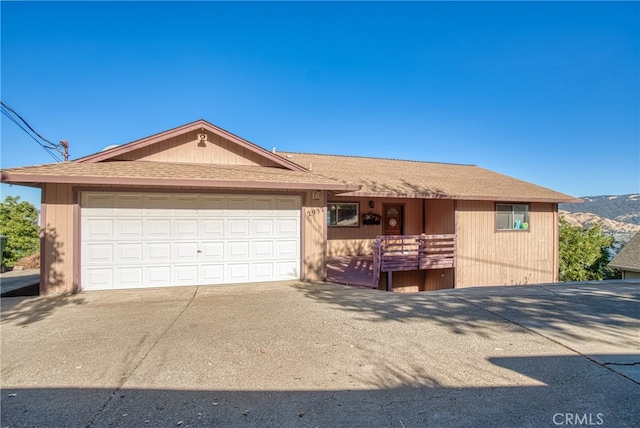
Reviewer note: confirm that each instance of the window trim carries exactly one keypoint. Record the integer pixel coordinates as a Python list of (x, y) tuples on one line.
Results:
[(528, 205), (357, 204)]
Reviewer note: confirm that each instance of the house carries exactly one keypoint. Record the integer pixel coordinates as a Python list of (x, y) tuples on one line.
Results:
[(199, 205), (628, 259)]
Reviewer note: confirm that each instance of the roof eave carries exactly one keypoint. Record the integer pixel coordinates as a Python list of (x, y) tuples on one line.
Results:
[(367, 194), (626, 268), (38, 180)]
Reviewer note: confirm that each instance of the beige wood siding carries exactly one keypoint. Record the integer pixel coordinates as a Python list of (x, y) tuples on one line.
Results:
[(314, 228), (490, 257), (439, 216), (187, 148), (58, 239)]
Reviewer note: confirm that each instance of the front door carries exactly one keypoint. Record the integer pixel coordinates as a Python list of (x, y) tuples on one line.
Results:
[(393, 219)]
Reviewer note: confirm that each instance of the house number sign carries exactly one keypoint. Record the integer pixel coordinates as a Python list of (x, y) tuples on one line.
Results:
[(314, 211)]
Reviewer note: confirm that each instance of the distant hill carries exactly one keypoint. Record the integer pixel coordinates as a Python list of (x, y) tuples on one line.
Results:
[(625, 208), (618, 214)]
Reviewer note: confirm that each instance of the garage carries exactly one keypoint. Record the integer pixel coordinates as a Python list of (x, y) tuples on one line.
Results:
[(133, 240)]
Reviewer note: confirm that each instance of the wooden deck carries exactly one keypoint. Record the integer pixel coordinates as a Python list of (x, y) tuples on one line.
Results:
[(392, 254)]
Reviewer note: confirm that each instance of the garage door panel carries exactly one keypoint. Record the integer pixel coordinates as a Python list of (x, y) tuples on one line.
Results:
[(134, 240), (98, 253), (285, 203), (185, 228), (98, 278), (128, 277), (129, 204), (157, 252), (263, 205), (186, 205), (102, 202), (262, 271), (238, 250), (129, 253), (213, 203), (211, 251), (238, 205), (287, 270), (262, 250), (287, 227), (261, 227), (211, 273), (185, 274), (184, 251), (237, 272), (129, 228), (238, 228), (286, 249), (157, 228), (158, 276), (157, 205), (212, 228), (98, 228)]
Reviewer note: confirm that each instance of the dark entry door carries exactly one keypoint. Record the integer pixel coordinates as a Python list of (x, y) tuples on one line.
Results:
[(393, 219)]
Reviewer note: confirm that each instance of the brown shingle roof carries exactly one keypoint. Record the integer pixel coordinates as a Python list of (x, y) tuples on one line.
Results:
[(413, 179), (629, 257), (172, 174)]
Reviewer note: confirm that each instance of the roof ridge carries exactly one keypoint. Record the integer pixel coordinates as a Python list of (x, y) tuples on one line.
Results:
[(374, 157)]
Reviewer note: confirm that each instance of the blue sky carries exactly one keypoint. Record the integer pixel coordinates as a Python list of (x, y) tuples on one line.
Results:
[(548, 92)]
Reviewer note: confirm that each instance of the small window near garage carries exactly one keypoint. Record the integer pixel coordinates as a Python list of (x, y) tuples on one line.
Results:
[(512, 216), (343, 214)]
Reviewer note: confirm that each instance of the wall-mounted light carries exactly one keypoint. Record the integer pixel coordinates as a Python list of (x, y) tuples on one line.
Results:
[(371, 204), (316, 194)]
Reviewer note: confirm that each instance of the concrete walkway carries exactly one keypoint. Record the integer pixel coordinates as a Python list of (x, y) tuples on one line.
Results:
[(298, 354)]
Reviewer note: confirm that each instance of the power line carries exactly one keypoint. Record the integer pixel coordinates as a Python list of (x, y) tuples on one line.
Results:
[(49, 147)]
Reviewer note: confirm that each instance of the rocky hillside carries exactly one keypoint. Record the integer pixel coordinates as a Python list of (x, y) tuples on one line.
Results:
[(624, 208), (618, 214)]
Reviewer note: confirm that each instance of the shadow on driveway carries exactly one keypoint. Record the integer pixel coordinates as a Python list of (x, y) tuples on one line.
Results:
[(569, 386)]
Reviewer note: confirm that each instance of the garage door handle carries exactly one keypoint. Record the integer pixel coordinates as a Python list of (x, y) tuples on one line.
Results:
[(199, 251)]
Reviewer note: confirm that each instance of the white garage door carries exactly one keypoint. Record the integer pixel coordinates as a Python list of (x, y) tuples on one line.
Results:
[(132, 240)]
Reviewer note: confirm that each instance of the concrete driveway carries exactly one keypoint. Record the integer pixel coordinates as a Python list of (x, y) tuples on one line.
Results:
[(308, 355)]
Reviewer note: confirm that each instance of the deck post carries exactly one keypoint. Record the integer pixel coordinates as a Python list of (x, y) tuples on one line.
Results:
[(389, 281)]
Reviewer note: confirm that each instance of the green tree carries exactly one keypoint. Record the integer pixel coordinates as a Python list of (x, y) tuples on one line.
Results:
[(584, 253), (19, 223)]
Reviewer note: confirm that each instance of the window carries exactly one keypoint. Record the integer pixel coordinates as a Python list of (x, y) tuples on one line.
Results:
[(342, 214), (512, 217)]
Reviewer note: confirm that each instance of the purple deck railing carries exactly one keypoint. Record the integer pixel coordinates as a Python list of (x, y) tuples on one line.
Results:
[(412, 252)]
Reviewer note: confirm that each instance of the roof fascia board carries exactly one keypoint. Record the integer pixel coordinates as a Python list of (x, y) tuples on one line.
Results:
[(199, 124), (627, 268), (568, 199), (25, 179)]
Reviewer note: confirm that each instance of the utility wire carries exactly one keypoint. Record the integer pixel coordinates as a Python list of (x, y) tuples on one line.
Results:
[(21, 123)]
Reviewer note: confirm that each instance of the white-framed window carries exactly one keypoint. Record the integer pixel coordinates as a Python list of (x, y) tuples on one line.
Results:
[(512, 217), (343, 214)]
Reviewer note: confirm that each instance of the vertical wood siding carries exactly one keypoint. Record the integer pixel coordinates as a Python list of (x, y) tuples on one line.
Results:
[(58, 239), (490, 257), (186, 148), (314, 230), (439, 216)]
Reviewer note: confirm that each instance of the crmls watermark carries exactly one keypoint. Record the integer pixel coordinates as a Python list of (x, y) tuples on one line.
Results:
[(578, 419)]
